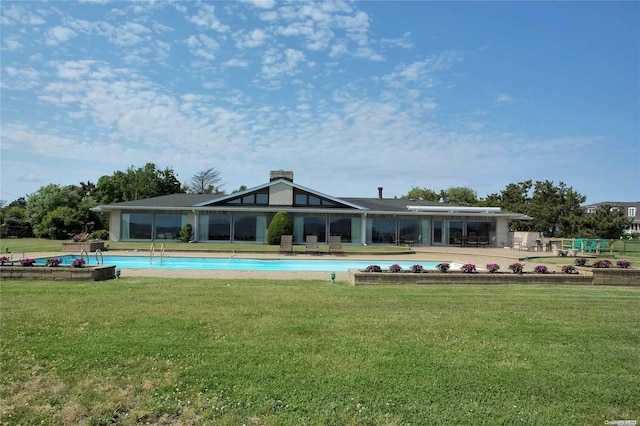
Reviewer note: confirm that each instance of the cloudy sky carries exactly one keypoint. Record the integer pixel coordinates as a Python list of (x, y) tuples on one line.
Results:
[(348, 95)]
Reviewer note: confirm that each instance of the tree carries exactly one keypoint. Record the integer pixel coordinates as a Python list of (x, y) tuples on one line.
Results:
[(556, 210), (417, 193), (13, 220), (606, 222), (461, 195), (45, 200), (240, 189), (205, 182), (136, 184), (61, 223), (281, 224)]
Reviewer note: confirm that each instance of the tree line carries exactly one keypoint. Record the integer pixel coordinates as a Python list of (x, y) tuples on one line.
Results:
[(60, 212), (555, 209)]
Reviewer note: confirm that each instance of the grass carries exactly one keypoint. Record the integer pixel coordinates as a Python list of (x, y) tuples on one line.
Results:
[(170, 351)]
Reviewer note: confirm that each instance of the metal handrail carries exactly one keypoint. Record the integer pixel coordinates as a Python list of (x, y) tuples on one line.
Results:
[(14, 252), (84, 253), (99, 260)]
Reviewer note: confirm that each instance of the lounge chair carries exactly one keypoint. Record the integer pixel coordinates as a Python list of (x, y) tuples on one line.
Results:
[(519, 243), (473, 241), (286, 244), (483, 241), (335, 244), (312, 244)]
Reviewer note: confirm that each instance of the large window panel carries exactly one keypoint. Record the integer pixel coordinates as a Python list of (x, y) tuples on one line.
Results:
[(244, 228), (381, 230), (455, 232), (215, 227), (136, 226), (341, 226), (168, 226), (315, 225), (409, 230)]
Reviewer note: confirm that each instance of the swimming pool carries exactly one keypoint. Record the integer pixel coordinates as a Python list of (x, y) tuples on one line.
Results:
[(246, 264)]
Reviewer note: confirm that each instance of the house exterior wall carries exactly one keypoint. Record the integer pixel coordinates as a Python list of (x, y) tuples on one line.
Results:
[(280, 195), (114, 225), (502, 233)]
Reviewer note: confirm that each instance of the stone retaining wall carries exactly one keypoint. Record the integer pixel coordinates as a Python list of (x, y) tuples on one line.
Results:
[(585, 276), (77, 247), (66, 273)]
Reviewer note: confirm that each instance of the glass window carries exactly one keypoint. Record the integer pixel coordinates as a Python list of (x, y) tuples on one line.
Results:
[(478, 228), (136, 226), (301, 199), (631, 212), (214, 227), (168, 226), (455, 232), (262, 198), (437, 232), (315, 225), (248, 199), (381, 230), (409, 231), (314, 201), (341, 226), (244, 228)]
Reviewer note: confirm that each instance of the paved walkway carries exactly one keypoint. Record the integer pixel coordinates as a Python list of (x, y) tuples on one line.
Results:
[(478, 256)]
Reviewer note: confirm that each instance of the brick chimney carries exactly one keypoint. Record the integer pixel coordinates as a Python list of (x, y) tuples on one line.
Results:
[(281, 174)]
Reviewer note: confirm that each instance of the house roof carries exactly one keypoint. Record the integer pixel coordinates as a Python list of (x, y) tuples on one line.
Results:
[(373, 205)]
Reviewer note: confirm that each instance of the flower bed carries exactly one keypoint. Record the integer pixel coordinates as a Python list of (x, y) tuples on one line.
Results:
[(358, 277), (564, 274), (60, 272)]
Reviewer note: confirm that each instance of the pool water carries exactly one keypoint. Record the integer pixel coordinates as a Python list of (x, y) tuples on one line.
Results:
[(246, 264)]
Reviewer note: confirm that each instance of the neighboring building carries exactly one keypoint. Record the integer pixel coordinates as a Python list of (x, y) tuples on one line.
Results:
[(630, 209), (244, 217)]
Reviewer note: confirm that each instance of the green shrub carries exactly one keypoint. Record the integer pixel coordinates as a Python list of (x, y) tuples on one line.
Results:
[(186, 233), (100, 234), (281, 224)]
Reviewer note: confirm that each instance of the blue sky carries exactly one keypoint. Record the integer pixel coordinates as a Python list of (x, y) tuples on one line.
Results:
[(348, 95)]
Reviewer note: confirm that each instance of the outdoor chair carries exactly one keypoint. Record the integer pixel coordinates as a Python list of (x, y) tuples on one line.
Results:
[(483, 241), (286, 244), (312, 244), (473, 241), (335, 244)]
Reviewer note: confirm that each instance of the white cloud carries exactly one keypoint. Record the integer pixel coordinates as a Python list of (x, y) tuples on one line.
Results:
[(20, 78), (12, 42), (59, 35), (203, 46), (262, 4), (236, 63), (206, 18), (402, 42), (253, 38), (275, 64), (504, 98), (16, 14)]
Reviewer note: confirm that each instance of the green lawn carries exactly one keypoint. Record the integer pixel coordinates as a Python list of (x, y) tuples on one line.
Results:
[(232, 352)]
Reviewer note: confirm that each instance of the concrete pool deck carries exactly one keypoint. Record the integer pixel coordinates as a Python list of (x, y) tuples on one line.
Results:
[(478, 256)]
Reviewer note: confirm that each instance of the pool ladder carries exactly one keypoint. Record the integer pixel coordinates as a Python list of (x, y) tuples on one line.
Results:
[(84, 254), (152, 252)]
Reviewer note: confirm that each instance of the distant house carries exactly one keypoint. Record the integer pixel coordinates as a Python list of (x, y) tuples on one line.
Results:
[(630, 209), (245, 216)]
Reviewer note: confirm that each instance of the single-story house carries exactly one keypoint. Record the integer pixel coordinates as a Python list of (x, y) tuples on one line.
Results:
[(245, 216)]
